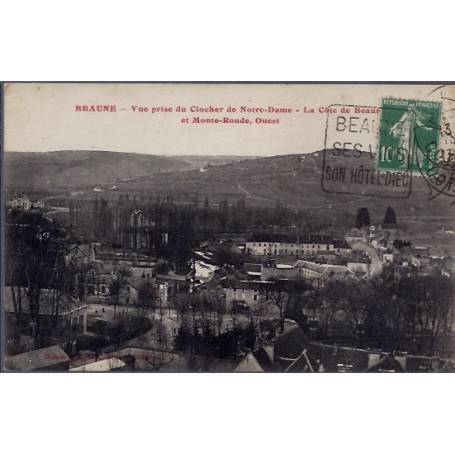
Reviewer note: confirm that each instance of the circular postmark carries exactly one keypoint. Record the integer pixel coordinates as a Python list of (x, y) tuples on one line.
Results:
[(439, 154)]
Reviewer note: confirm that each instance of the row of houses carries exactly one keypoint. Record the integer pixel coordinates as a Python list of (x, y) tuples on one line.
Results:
[(304, 248), (94, 253), (103, 265), (261, 279)]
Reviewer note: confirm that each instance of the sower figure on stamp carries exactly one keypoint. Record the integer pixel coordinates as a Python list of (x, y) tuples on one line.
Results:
[(404, 130)]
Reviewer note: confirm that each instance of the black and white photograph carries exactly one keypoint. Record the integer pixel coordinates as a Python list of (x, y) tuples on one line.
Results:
[(228, 227), (193, 194)]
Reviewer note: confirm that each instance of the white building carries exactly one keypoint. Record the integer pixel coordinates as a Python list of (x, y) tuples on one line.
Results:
[(287, 248), (24, 203), (203, 270), (387, 257), (248, 292), (21, 203)]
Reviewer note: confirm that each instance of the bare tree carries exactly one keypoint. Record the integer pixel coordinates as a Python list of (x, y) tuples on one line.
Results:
[(279, 297), (219, 305), (117, 284), (146, 298), (182, 306)]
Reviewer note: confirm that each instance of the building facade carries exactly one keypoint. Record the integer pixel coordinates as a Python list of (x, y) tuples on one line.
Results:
[(287, 248)]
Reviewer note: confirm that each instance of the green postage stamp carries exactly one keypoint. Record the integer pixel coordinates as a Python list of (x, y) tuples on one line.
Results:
[(409, 136)]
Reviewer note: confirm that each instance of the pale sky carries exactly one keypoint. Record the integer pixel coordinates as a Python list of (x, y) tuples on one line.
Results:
[(43, 117)]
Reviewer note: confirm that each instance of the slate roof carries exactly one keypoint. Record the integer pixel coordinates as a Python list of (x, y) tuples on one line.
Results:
[(324, 269), (250, 267), (40, 359), (295, 352), (249, 364), (341, 244), (259, 361), (290, 238), (289, 349), (100, 366), (250, 284), (386, 364), (164, 361), (153, 360)]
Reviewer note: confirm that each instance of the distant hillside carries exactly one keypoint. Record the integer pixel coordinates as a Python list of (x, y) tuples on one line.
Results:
[(292, 180), (81, 168), (260, 180)]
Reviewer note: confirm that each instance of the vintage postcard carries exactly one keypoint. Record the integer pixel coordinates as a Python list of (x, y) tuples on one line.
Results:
[(228, 227)]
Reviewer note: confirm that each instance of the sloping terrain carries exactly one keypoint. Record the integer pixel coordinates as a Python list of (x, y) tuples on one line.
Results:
[(80, 168), (294, 181)]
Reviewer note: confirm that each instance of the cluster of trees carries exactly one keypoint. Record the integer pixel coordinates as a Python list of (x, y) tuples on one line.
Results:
[(204, 310), (106, 333), (226, 255), (411, 313), (363, 217), (207, 326), (171, 229), (287, 296), (226, 345), (35, 260), (38, 263), (204, 329), (118, 282)]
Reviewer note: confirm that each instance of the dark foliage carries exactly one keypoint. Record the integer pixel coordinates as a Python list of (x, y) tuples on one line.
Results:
[(227, 345), (390, 216), (413, 314), (362, 218)]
